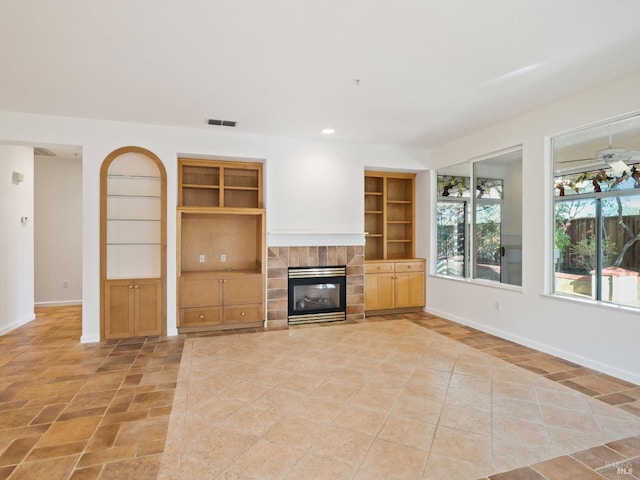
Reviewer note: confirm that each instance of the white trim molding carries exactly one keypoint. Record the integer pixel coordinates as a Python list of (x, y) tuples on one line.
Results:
[(302, 238), (632, 377), (17, 323)]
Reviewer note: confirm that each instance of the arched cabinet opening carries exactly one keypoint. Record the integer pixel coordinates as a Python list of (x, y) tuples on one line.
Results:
[(133, 206)]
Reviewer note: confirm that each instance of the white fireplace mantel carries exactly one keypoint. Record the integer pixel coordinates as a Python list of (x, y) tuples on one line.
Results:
[(309, 238)]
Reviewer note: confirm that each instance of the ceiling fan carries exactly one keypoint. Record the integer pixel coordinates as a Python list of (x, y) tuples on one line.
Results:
[(616, 158)]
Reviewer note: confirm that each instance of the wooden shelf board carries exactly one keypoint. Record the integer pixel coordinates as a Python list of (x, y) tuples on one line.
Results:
[(134, 243), (124, 195), (248, 189), (146, 177), (200, 185)]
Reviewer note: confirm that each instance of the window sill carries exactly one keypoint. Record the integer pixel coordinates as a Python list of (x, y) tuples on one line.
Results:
[(592, 303), (480, 282)]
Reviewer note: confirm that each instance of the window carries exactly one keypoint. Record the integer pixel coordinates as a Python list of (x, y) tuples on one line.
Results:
[(487, 223), (597, 213), (452, 225)]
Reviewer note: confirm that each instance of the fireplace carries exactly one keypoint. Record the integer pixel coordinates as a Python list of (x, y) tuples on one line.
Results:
[(317, 294), (281, 258)]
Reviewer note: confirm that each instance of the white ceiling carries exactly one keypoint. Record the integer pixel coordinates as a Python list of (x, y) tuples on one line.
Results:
[(428, 71)]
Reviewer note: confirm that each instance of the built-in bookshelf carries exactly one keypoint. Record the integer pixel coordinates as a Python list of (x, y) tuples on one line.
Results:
[(389, 215), (133, 238)]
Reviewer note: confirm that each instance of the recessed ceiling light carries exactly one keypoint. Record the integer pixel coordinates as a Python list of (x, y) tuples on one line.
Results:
[(328, 131)]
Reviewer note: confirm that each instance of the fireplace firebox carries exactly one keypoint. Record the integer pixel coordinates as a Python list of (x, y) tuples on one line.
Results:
[(317, 294)]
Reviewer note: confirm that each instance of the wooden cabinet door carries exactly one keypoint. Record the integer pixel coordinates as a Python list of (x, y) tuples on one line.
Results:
[(242, 290), (119, 311), (379, 291), (200, 291), (133, 308), (243, 299), (409, 289), (147, 295)]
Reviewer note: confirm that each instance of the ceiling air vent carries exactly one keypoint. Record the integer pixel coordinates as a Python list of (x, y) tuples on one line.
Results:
[(222, 123), (43, 152)]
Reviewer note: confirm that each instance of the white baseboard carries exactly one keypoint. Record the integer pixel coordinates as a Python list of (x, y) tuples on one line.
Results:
[(62, 303), (542, 347), (17, 323), (89, 338), (172, 332)]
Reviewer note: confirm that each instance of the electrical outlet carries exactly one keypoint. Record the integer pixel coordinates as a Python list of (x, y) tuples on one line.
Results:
[(65, 284), (497, 305), (223, 258), (201, 258)]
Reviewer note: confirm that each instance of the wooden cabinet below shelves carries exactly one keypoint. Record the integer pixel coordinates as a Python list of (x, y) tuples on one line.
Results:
[(394, 286), (133, 308), (380, 285), (218, 300)]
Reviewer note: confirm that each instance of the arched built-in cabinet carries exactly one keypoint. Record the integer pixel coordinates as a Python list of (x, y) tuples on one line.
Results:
[(133, 247)]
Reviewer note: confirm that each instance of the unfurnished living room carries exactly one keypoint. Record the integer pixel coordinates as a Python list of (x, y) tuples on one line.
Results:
[(320, 240)]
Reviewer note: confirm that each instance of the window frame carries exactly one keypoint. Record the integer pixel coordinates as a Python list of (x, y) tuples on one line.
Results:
[(471, 201), (465, 203), (486, 201), (598, 197)]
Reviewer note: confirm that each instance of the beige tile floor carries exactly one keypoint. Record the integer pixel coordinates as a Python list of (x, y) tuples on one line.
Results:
[(371, 401)]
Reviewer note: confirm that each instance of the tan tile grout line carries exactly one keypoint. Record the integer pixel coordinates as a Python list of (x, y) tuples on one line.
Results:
[(496, 343), (507, 475), (119, 388), (57, 325), (437, 424), (468, 334), (507, 342)]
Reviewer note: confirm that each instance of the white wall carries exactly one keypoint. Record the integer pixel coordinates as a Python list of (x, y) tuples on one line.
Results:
[(16, 238), (310, 186), (602, 337), (58, 231)]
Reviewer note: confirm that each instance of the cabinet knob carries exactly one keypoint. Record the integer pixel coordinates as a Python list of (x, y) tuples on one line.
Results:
[(135, 286), (130, 286), (243, 314), (201, 316)]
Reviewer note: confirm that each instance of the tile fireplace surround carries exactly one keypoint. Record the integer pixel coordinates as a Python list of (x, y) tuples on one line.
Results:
[(281, 258)]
